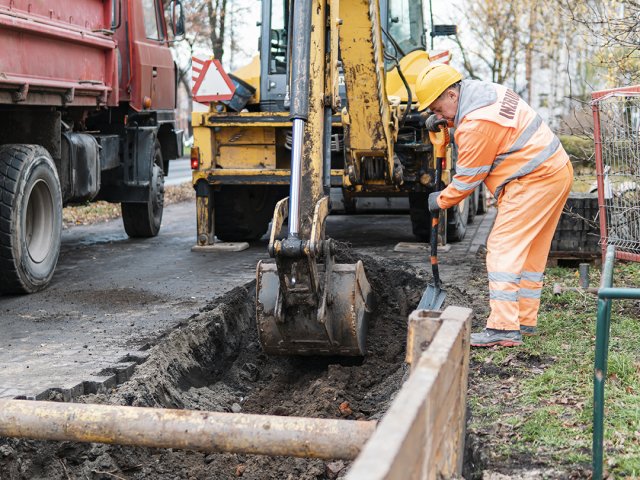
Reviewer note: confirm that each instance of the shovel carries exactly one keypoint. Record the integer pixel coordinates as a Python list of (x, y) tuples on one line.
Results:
[(433, 297)]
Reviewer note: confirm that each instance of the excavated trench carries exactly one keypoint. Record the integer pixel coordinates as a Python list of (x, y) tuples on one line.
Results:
[(213, 361)]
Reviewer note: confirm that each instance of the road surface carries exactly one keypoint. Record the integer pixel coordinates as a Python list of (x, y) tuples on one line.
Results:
[(179, 172)]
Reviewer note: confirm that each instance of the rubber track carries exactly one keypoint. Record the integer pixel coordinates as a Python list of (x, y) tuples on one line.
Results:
[(12, 159)]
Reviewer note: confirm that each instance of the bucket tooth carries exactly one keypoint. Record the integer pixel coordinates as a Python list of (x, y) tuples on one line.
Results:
[(337, 326)]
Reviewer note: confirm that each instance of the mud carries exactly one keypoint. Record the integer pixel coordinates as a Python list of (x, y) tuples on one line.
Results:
[(213, 361)]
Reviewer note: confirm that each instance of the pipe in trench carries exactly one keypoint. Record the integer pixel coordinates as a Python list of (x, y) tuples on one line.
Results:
[(213, 432)]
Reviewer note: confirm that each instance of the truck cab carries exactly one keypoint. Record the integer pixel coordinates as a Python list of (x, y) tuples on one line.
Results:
[(87, 99)]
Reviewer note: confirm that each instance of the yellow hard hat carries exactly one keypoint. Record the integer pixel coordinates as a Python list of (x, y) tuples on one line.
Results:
[(432, 81)]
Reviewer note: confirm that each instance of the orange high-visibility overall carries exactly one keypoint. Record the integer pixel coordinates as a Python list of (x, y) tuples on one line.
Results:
[(503, 142)]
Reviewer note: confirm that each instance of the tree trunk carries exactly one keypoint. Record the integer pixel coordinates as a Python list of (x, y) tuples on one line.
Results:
[(217, 13)]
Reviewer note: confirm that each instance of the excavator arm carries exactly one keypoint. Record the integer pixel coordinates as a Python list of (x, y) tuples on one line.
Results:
[(369, 124), (306, 302)]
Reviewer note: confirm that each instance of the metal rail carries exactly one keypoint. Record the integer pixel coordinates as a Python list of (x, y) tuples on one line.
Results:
[(606, 293), (185, 429), (617, 141)]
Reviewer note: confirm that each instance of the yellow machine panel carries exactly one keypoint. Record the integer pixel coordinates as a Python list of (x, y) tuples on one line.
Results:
[(251, 74), (411, 65), (245, 147)]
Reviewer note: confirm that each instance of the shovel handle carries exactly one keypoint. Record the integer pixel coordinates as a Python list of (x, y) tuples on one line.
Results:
[(440, 140), (435, 220)]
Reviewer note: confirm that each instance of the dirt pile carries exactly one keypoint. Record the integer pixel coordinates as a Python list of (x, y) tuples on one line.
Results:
[(213, 361)]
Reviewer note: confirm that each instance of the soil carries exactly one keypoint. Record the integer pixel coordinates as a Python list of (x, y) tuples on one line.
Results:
[(101, 211), (214, 362)]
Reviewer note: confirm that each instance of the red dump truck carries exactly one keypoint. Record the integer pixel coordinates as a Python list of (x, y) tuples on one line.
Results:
[(87, 99)]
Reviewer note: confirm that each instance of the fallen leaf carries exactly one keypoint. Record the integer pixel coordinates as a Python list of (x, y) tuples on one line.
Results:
[(345, 410)]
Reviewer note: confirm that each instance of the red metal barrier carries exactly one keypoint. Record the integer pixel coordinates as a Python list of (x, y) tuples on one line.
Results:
[(616, 116)]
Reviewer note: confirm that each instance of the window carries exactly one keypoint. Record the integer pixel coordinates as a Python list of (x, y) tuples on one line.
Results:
[(278, 42), (114, 16), (405, 25), (152, 22)]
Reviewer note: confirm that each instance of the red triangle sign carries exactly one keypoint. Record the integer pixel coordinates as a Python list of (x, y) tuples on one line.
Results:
[(210, 82)]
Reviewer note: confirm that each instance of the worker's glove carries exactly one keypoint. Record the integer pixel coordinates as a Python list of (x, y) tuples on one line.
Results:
[(433, 202), (433, 123)]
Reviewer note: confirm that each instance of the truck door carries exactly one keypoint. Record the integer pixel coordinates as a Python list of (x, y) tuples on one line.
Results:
[(152, 67), (274, 57)]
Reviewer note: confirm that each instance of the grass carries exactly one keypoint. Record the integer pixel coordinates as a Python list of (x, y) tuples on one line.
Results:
[(542, 399), (96, 212)]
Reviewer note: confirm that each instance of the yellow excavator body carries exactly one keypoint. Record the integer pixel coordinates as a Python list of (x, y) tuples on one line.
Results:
[(332, 106)]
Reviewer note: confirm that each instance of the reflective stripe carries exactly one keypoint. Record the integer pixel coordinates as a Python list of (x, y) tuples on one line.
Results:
[(463, 186), (522, 140), (504, 277), (531, 165), (502, 295), (530, 292), (533, 276), (472, 172)]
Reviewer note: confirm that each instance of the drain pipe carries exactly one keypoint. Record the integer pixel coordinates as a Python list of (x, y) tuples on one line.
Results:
[(213, 432)]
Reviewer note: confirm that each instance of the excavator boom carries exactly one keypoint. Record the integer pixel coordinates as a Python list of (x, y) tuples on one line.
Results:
[(306, 303)]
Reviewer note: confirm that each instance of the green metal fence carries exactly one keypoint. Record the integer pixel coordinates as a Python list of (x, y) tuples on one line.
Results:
[(606, 293)]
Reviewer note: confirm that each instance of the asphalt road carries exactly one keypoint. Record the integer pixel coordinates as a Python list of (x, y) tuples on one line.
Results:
[(179, 172), (112, 296)]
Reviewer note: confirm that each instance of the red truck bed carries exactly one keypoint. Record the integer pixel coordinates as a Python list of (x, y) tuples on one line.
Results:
[(57, 52)]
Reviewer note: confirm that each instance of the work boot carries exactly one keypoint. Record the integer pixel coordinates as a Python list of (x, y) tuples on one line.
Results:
[(490, 337), (528, 331)]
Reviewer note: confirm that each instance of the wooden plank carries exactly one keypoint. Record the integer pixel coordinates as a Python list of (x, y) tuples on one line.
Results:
[(448, 448), (438, 404), (405, 445), (423, 325), (448, 453)]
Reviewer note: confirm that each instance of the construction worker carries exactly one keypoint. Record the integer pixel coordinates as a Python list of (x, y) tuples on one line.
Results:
[(502, 142)]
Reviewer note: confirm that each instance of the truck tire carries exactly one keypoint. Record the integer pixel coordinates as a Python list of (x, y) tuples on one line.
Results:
[(420, 215), (482, 200), (457, 217), (142, 220), (473, 199), (243, 212), (30, 218)]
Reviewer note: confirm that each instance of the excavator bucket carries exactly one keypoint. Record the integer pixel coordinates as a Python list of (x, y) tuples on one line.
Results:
[(334, 325)]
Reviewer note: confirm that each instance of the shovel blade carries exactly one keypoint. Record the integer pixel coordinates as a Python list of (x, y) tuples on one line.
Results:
[(432, 298)]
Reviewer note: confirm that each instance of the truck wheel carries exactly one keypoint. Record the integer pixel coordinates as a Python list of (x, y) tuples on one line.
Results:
[(30, 218), (457, 217), (420, 216), (243, 212), (473, 205), (482, 201), (142, 220)]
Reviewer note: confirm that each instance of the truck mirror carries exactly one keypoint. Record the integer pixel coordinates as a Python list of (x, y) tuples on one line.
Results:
[(177, 18)]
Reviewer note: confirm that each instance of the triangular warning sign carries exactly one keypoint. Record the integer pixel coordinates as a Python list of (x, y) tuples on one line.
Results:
[(210, 82)]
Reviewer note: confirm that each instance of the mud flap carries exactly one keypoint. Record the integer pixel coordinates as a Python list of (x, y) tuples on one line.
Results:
[(337, 325)]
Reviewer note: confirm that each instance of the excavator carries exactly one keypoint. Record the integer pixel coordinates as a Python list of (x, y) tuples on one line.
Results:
[(328, 103)]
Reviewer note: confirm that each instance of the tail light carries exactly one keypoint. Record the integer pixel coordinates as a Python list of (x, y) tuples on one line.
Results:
[(195, 158)]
